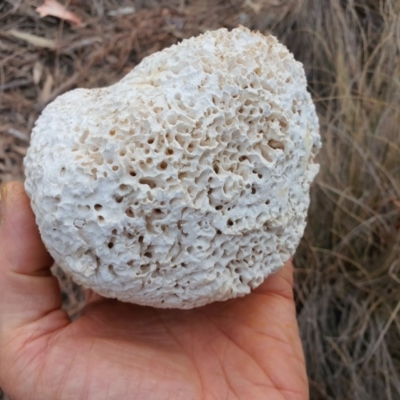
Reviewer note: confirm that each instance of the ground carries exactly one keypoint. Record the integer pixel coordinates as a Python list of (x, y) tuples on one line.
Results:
[(348, 264)]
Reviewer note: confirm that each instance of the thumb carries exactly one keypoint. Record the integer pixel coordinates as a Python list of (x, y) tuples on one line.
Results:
[(28, 291)]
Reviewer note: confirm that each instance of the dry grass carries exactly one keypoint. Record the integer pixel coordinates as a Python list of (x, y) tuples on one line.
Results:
[(348, 265), (349, 261)]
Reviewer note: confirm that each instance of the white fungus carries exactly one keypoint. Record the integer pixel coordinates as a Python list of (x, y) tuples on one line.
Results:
[(185, 183)]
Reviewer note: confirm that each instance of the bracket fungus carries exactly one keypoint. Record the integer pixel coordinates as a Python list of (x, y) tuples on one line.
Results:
[(186, 182)]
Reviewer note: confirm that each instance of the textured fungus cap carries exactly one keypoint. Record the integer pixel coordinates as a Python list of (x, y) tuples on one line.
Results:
[(186, 182)]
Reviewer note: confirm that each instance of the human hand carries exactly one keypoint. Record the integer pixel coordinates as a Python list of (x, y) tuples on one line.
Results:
[(247, 348)]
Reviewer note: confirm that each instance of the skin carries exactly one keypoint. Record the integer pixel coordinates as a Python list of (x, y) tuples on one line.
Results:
[(247, 348)]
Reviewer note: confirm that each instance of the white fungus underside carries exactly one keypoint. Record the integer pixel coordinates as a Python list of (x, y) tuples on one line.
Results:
[(186, 182)]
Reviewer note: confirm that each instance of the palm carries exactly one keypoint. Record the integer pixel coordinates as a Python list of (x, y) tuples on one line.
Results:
[(247, 348)]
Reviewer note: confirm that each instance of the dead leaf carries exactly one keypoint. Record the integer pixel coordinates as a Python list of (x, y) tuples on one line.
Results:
[(55, 9), (37, 72), (45, 93), (31, 39), (122, 11), (254, 5), (66, 85), (20, 150), (17, 133)]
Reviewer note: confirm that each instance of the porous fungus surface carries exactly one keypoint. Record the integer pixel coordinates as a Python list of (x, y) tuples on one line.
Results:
[(186, 182)]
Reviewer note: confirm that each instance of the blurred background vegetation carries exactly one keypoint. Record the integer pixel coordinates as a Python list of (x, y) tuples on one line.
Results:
[(348, 263)]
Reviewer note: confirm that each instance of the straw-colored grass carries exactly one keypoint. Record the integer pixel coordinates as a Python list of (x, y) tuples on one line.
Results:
[(348, 264), (348, 278)]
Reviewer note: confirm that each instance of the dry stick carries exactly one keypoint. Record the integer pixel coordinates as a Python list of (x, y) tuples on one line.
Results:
[(59, 90), (14, 84)]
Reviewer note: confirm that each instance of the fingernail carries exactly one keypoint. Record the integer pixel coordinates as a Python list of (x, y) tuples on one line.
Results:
[(3, 194)]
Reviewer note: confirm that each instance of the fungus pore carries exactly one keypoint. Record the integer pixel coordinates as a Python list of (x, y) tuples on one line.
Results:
[(186, 182)]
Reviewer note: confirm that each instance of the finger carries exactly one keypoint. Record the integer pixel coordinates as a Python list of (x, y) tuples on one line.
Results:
[(281, 282), (28, 291)]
